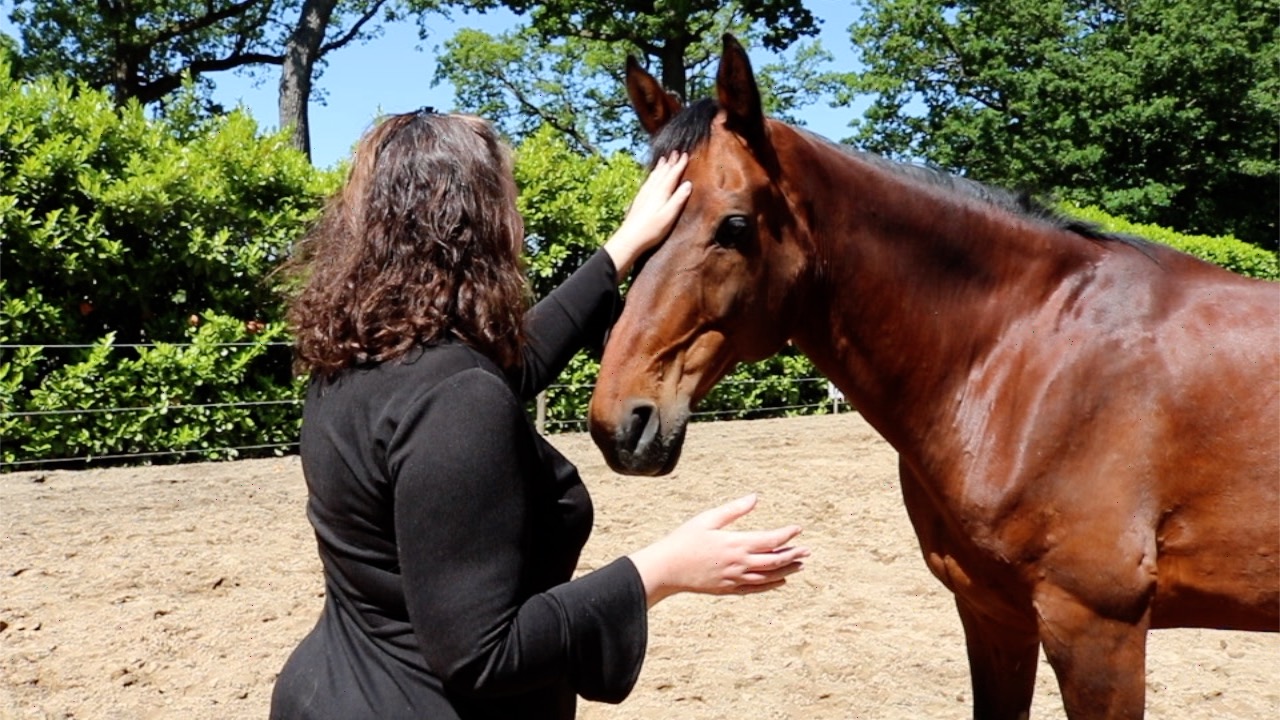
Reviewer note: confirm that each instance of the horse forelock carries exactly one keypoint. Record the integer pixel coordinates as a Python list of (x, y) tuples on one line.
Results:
[(687, 131)]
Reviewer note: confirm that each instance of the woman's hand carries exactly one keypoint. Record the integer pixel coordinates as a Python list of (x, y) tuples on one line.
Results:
[(701, 556), (652, 213)]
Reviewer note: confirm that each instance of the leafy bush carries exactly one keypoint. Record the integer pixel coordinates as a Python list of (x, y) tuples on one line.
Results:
[(120, 230), (1226, 251), (784, 385), (221, 389)]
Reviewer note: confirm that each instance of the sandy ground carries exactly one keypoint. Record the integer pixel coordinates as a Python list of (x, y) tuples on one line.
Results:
[(178, 592)]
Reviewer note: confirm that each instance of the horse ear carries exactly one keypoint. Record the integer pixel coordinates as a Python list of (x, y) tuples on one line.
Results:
[(738, 94), (654, 105)]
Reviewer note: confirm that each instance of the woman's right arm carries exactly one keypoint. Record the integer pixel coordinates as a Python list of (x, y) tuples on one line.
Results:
[(463, 502), (701, 556), (464, 464)]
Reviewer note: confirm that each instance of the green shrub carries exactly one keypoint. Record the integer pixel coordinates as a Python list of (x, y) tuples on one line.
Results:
[(570, 202), (220, 389), (784, 385), (1226, 251), (118, 230)]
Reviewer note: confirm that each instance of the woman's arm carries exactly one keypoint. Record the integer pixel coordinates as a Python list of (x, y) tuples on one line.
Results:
[(582, 309), (652, 214), (465, 502)]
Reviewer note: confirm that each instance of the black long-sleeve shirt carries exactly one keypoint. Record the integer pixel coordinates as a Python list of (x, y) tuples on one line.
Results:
[(449, 529)]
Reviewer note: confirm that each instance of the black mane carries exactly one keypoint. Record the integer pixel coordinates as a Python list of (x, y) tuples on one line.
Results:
[(691, 128), (1023, 204)]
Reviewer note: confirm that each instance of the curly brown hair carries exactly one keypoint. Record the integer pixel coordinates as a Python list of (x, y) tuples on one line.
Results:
[(422, 243)]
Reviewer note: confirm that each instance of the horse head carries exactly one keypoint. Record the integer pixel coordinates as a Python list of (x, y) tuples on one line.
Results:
[(718, 291)]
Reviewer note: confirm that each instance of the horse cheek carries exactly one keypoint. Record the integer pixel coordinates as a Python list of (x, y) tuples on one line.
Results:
[(721, 289)]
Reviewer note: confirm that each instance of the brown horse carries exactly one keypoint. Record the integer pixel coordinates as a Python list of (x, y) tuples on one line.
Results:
[(1088, 426)]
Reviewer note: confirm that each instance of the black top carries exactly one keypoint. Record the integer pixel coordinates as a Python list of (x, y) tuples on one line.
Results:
[(448, 530)]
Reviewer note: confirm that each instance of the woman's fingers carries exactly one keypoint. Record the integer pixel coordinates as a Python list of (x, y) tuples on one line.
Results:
[(760, 568), (771, 576), (770, 540), (762, 587), (718, 517), (662, 180), (789, 560), (778, 558)]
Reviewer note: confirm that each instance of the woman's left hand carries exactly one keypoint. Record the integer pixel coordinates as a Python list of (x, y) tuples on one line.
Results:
[(653, 212)]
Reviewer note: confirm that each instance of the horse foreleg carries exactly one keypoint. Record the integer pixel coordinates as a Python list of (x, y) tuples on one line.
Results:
[(1100, 661), (1002, 665)]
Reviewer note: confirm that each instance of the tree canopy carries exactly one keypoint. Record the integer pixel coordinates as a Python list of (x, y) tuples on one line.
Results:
[(1162, 111), (144, 50), (564, 67), (667, 31)]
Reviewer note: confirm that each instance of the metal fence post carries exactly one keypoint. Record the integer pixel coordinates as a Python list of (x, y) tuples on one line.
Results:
[(541, 420)]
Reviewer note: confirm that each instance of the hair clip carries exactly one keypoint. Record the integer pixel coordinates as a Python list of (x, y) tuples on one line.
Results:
[(426, 110)]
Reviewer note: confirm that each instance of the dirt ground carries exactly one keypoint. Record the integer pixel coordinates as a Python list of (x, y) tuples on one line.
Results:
[(178, 592)]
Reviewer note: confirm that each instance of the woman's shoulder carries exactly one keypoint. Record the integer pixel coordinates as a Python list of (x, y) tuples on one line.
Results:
[(442, 360), (420, 371), (452, 389)]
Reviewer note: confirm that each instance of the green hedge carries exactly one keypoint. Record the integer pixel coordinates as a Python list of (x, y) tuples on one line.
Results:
[(121, 231), (201, 399)]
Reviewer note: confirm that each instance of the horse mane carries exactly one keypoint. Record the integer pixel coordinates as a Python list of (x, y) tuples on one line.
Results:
[(691, 128), (1022, 203)]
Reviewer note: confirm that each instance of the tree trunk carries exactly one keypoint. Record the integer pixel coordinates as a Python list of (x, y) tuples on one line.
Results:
[(673, 71), (301, 53), (123, 53)]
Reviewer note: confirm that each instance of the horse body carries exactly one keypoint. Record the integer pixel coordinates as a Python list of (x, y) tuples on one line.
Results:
[(1116, 377), (1088, 427), (1077, 468)]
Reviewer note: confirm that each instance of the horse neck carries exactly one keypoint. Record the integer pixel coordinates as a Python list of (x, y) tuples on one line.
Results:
[(911, 286)]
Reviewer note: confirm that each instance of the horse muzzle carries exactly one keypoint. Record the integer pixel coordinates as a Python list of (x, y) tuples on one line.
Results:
[(640, 439)]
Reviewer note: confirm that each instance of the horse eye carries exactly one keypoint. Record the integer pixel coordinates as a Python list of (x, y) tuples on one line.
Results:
[(733, 231)]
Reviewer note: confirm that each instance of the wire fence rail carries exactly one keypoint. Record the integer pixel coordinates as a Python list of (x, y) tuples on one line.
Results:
[(807, 395)]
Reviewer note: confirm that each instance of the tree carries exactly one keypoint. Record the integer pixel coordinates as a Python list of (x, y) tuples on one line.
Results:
[(143, 51), (667, 32), (564, 69), (1163, 111), (10, 57), (303, 49)]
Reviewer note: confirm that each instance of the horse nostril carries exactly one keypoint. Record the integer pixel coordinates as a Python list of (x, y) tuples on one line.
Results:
[(638, 430)]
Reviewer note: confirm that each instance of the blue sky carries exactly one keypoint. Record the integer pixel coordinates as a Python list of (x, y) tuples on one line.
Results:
[(393, 73)]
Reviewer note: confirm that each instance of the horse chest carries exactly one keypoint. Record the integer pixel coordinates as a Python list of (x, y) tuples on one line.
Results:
[(968, 555)]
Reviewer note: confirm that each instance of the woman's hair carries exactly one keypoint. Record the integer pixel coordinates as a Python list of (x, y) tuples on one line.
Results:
[(421, 244)]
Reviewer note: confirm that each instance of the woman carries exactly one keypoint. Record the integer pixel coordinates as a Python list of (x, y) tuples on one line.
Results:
[(448, 529)]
